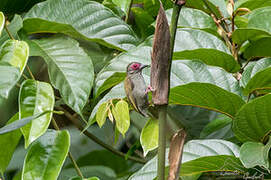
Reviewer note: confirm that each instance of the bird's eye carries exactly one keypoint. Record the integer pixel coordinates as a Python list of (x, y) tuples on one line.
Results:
[(135, 66)]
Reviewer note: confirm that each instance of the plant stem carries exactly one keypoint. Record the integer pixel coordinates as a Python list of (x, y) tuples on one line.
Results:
[(98, 141), (29, 71), (128, 12), (69, 153), (162, 142), (6, 28)]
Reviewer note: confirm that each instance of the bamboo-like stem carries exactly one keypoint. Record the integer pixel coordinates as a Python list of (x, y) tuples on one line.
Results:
[(97, 140), (69, 153), (162, 142)]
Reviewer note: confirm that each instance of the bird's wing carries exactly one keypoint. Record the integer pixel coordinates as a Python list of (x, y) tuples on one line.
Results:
[(129, 86)]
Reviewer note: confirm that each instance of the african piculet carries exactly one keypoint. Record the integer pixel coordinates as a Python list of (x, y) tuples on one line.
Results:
[(136, 89)]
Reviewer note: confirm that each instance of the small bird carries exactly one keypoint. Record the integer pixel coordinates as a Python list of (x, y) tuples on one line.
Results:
[(136, 89)]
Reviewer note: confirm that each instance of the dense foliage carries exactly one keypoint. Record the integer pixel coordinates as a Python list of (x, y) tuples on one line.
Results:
[(62, 65)]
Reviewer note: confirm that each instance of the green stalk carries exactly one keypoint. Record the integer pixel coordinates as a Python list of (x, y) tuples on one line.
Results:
[(162, 142)]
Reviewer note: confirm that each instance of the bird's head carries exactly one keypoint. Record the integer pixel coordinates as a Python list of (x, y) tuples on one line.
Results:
[(135, 67)]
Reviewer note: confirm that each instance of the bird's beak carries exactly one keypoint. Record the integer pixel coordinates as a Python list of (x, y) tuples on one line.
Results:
[(144, 66)]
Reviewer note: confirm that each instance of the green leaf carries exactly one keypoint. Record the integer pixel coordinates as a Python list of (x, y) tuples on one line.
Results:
[(196, 149), (20, 123), (152, 6), (92, 21), (46, 156), (213, 5), (251, 4), (70, 69), (123, 4), (14, 54), (143, 22), (17, 6), (219, 128), (149, 136), (102, 114), (260, 19), (13, 27), (252, 121), (35, 97), (258, 48), (193, 18), (255, 154), (121, 116), (260, 81), (2, 22), (8, 144), (252, 68), (206, 96), (102, 172), (240, 36), (210, 57)]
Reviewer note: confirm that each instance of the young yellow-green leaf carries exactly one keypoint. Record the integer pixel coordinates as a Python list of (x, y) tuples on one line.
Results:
[(8, 143), (122, 117), (13, 59), (149, 136), (2, 22), (35, 97), (261, 80), (206, 96), (255, 154), (252, 121), (102, 114), (46, 156)]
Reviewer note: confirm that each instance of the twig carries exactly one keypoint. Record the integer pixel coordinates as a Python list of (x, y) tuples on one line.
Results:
[(9, 34), (29, 71), (69, 153), (98, 141)]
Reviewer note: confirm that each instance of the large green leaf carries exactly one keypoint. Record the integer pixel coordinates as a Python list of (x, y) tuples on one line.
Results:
[(35, 97), (206, 96), (149, 136), (13, 58), (252, 4), (210, 150), (258, 48), (8, 143), (46, 156), (261, 80), (13, 27), (252, 122), (252, 68), (193, 18), (83, 19), (216, 6), (260, 19), (70, 68), (211, 57), (2, 22), (255, 154), (124, 5), (240, 36), (219, 128)]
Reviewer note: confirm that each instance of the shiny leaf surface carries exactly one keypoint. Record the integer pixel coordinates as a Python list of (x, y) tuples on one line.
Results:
[(70, 69), (82, 19), (46, 156), (121, 116), (35, 97), (2, 22)]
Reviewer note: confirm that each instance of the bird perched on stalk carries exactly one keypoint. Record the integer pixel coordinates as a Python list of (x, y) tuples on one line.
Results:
[(135, 87)]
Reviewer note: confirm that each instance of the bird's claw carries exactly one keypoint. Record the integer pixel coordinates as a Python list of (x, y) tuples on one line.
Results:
[(149, 89)]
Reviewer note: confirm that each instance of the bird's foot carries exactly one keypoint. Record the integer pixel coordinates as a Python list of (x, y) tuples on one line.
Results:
[(149, 89)]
